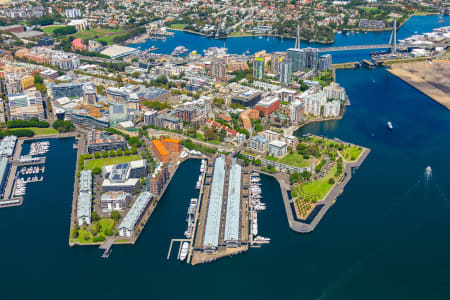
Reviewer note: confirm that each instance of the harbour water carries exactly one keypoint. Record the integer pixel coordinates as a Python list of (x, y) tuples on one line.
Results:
[(239, 45), (386, 237)]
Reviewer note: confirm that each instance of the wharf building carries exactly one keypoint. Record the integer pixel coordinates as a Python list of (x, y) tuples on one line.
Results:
[(212, 226), (232, 225), (7, 146), (98, 141), (258, 67), (229, 187), (158, 179), (128, 225), (4, 172), (84, 202), (117, 200), (123, 177)]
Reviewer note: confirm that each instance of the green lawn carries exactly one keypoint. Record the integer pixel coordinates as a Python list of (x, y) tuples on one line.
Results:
[(109, 38), (105, 224), (351, 153), (295, 160), (272, 158), (95, 33), (81, 236), (42, 131), (94, 163), (49, 29), (177, 26), (320, 187)]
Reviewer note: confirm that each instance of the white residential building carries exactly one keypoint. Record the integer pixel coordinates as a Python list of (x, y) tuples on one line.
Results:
[(334, 91), (277, 148), (84, 202), (332, 108), (314, 103)]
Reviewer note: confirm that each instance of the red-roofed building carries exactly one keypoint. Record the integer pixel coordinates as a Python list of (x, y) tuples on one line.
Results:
[(77, 44)]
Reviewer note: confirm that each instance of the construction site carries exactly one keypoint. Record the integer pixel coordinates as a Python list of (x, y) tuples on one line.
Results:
[(223, 220), (430, 77)]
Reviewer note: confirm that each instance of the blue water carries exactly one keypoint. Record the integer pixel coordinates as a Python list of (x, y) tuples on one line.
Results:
[(387, 237), (253, 44)]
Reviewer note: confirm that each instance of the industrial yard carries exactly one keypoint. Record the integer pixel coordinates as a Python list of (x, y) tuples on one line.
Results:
[(431, 78)]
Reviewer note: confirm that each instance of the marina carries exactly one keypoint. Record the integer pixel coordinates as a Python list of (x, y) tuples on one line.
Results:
[(24, 169), (223, 220)]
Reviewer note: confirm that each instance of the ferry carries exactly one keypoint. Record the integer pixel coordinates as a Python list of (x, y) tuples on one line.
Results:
[(428, 171), (389, 125), (184, 250)]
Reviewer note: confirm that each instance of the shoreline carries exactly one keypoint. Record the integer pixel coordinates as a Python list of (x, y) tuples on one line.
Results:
[(328, 201), (420, 85)]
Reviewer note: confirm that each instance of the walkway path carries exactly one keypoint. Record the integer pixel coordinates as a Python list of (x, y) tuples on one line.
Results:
[(327, 202)]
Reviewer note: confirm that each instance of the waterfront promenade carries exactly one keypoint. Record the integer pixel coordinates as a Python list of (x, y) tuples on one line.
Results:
[(325, 203)]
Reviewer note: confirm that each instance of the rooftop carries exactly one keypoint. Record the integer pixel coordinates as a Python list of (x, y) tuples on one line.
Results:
[(135, 212), (211, 238), (233, 204)]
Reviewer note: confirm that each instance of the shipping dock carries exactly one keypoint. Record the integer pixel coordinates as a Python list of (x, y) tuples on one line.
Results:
[(222, 220)]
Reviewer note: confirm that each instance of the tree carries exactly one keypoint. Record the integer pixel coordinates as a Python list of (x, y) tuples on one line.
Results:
[(133, 150), (331, 181), (126, 151), (210, 134), (97, 155), (261, 114), (119, 152), (115, 215), (97, 170), (306, 175), (104, 154), (112, 153), (95, 216), (257, 162)]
